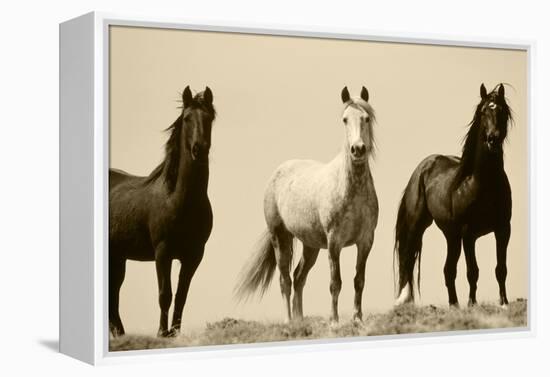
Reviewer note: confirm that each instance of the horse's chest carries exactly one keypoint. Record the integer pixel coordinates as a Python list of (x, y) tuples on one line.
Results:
[(486, 213), (346, 222), (190, 225)]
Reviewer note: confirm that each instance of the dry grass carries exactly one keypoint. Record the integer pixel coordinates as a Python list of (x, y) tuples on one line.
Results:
[(401, 320)]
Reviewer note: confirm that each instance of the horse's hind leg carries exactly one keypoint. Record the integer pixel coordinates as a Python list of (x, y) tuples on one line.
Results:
[(309, 256), (117, 270), (282, 244), (502, 237), (363, 251)]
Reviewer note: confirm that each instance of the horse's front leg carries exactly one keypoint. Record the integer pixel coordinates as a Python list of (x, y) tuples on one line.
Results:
[(453, 254), (363, 251), (188, 267), (335, 278), (472, 270), (163, 265), (502, 236)]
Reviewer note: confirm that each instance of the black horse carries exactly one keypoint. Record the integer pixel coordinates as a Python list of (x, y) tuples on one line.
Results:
[(166, 215), (468, 197)]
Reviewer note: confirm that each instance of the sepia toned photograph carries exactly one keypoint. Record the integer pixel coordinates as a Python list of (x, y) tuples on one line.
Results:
[(267, 188)]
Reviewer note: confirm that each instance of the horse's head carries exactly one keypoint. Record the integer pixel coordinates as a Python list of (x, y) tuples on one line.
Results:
[(493, 113), (358, 118), (197, 116)]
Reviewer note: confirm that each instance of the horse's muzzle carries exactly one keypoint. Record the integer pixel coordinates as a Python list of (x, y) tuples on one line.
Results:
[(493, 144), (358, 151)]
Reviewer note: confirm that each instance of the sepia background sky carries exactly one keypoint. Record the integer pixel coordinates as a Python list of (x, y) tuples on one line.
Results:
[(278, 98)]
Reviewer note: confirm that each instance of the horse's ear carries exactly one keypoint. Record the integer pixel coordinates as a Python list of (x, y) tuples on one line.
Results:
[(345, 94), (187, 96), (365, 94), (483, 91), (501, 92), (208, 97)]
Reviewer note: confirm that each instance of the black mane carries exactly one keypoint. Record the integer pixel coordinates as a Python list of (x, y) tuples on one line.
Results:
[(170, 165), (471, 139)]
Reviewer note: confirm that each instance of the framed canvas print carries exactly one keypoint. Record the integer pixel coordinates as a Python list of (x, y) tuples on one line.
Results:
[(230, 188)]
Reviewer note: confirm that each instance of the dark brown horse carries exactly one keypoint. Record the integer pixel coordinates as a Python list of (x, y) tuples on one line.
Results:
[(166, 215), (467, 197)]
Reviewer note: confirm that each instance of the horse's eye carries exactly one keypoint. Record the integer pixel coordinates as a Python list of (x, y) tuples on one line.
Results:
[(345, 120)]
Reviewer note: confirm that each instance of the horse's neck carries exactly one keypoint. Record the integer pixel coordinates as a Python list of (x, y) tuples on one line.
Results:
[(483, 179), (481, 176), (192, 181), (487, 167), (354, 178)]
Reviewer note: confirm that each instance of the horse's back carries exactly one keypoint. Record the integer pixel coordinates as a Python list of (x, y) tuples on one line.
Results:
[(117, 176), (436, 163), (434, 169), (294, 177), (298, 166), (128, 207)]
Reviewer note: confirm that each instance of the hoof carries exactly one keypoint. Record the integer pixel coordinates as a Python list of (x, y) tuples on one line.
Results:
[(163, 333), (357, 318), (454, 306), (405, 296), (402, 302), (297, 318), (116, 332), (504, 307), (472, 303), (174, 332)]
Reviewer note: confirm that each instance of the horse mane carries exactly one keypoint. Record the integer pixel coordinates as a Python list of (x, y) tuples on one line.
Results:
[(170, 165), (471, 138)]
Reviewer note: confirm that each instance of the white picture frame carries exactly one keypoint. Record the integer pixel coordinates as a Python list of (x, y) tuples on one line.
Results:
[(84, 122)]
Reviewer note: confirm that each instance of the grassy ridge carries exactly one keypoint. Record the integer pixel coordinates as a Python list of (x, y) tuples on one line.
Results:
[(401, 320)]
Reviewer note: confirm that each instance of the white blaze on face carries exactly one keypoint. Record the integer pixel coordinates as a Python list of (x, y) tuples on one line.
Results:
[(356, 123)]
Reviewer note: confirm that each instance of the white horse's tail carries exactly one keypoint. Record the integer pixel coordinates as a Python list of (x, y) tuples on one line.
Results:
[(258, 273)]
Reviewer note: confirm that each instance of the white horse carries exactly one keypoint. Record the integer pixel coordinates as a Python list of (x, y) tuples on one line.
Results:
[(325, 206)]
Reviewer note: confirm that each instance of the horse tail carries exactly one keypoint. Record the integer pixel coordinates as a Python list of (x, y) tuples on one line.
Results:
[(258, 273), (413, 218)]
